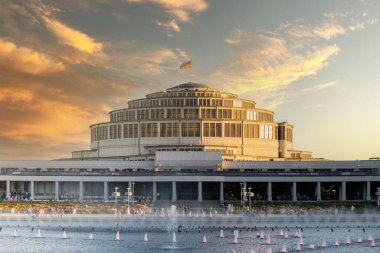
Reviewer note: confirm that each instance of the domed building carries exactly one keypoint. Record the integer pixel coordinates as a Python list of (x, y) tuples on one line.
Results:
[(192, 117)]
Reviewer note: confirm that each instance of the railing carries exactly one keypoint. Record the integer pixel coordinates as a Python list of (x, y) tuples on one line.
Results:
[(183, 173)]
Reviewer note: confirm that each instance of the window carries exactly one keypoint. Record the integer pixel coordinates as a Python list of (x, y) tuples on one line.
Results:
[(190, 129), (251, 115), (169, 129), (148, 130), (266, 131), (232, 129), (130, 131)]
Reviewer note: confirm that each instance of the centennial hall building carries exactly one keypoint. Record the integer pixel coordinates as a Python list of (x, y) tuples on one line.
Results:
[(193, 144)]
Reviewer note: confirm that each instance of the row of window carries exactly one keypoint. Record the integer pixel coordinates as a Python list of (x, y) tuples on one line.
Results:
[(189, 113), (167, 102), (188, 129)]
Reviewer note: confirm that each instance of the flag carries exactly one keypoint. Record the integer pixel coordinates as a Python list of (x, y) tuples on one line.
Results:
[(185, 65)]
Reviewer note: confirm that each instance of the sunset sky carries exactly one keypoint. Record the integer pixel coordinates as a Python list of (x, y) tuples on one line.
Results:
[(65, 64)]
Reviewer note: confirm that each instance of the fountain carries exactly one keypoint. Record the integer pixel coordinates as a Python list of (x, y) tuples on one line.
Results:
[(90, 236), (261, 234), (283, 249), (348, 241), (117, 238), (39, 233), (269, 250), (174, 238), (15, 234), (268, 240), (221, 235), (336, 243), (360, 240), (286, 235), (64, 235), (146, 238), (324, 245), (370, 238), (235, 240), (298, 247), (281, 232), (311, 247), (373, 243), (204, 239), (301, 241)]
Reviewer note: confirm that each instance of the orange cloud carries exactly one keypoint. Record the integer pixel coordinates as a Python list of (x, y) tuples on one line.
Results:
[(170, 26), (26, 60), (73, 38), (329, 31), (272, 65), (178, 8)]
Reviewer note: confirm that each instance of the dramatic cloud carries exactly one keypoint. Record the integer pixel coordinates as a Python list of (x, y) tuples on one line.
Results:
[(73, 38), (237, 37), (26, 60), (180, 9), (272, 64)]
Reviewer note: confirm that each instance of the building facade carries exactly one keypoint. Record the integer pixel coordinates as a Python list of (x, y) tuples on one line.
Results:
[(192, 117), (191, 176)]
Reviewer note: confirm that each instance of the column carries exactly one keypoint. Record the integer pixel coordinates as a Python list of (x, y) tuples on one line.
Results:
[(105, 191), (80, 190), (269, 190), (174, 191), (8, 190), (343, 195), (319, 198), (246, 189), (221, 192), (130, 185), (32, 189), (294, 191), (200, 191), (154, 191), (368, 190), (56, 190)]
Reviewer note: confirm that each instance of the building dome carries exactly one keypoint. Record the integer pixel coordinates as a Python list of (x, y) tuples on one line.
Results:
[(191, 86)]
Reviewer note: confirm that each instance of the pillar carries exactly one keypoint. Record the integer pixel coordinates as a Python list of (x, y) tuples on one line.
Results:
[(174, 191), (105, 191), (319, 198), (368, 190), (154, 191), (200, 191), (8, 189), (294, 191), (246, 189), (130, 185), (343, 194), (56, 190), (80, 190), (221, 192), (269, 190), (32, 189)]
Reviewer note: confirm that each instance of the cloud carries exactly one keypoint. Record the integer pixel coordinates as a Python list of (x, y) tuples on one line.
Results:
[(271, 66), (180, 9), (27, 60), (238, 36), (329, 31), (320, 87), (170, 26), (73, 38), (152, 62)]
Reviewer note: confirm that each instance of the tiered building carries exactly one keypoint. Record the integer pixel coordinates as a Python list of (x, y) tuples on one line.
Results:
[(192, 117)]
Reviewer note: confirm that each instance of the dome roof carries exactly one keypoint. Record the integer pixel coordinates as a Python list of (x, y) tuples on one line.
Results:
[(191, 86)]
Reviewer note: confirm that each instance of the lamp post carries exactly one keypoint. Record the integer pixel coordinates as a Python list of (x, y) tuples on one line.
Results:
[(128, 194), (378, 196), (249, 190), (133, 193), (244, 193), (241, 194), (116, 194)]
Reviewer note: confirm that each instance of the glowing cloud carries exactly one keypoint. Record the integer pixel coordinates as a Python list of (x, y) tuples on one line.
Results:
[(272, 65), (26, 60), (73, 38), (329, 31), (180, 9)]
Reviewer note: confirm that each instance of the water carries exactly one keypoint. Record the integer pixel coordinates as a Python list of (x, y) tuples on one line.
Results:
[(52, 241)]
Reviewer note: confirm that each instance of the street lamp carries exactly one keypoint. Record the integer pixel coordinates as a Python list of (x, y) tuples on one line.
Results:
[(133, 193), (241, 194), (244, 193), (249, 190), (378, 196), (128, 194), (116, 194)]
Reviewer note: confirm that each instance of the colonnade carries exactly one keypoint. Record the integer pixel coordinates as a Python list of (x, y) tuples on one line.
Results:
[(365, 193)]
